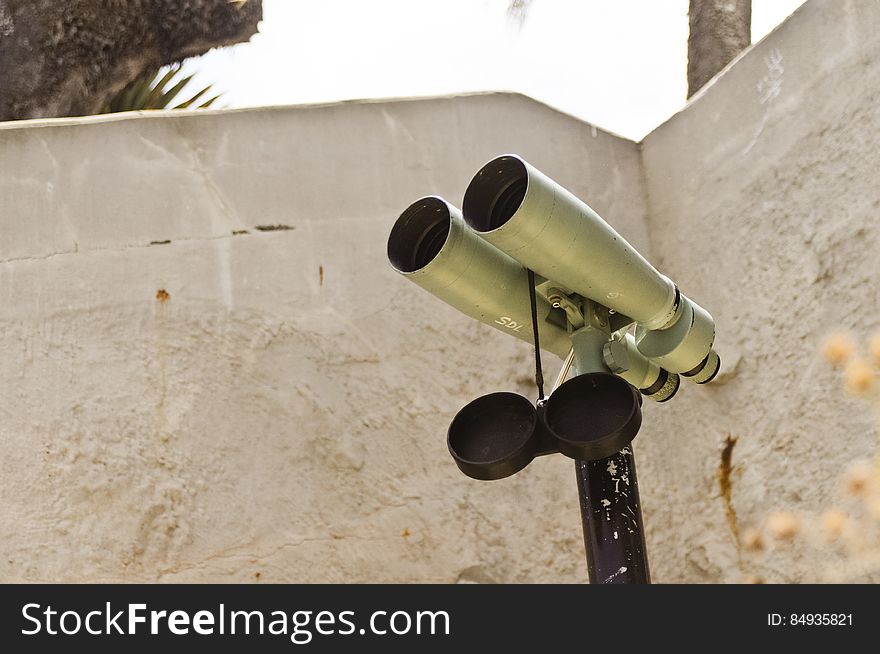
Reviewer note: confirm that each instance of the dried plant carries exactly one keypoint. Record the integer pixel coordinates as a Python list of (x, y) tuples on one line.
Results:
[(848, 532)]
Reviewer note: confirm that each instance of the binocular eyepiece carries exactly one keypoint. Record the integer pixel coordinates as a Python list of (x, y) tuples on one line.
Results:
[(591, 417)]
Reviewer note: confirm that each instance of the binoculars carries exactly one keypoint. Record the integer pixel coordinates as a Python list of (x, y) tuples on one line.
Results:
[(588, 278)]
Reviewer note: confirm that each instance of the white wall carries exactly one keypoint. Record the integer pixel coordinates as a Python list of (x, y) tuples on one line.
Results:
[(764, 199), (269, 421), (281, 415)]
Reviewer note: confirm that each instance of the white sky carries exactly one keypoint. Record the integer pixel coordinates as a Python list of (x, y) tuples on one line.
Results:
[(619, 64)]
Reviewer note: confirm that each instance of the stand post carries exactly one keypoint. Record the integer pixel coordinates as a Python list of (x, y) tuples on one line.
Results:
[(608, 491)]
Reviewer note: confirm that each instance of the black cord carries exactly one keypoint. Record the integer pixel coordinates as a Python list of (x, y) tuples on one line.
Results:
[(539, 373)]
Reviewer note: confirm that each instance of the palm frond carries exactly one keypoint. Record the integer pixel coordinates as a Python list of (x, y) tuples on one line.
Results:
[(159, 90)]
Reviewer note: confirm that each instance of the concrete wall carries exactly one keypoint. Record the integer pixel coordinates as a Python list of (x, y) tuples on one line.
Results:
[(183, 401), (764, 197)]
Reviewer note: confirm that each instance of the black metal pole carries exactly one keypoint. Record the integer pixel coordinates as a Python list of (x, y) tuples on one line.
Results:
[(614, 538)]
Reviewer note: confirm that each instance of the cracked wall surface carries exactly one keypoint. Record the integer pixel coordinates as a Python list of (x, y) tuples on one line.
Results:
[(764, 200), (211, 373)]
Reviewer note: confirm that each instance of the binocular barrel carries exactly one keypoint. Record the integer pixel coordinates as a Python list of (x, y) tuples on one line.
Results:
[(527, 215), (431, 246), (530, 217)]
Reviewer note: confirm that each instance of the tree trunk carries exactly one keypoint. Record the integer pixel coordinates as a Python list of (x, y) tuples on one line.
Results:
[(69, 57), (720, 30)]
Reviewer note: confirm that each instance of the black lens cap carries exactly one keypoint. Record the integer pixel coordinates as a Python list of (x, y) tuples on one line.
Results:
[(593, 416), (494, 436)]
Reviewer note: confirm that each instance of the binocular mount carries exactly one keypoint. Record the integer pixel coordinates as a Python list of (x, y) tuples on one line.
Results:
[(591, 416), (626, 328)]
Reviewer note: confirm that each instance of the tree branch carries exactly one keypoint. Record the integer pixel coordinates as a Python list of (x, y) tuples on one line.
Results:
[(69, 57)]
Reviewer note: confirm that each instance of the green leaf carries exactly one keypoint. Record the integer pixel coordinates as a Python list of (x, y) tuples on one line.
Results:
[(151, 96), (158, 90), (188, 103), (207, 104)]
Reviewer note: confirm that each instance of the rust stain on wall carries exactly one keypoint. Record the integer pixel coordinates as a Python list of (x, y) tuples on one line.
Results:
[(725, 485)]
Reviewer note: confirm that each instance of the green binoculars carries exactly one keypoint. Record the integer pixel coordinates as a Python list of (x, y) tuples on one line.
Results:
[(516, 218)]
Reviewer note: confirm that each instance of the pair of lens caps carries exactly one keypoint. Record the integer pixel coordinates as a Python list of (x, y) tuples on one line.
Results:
[(591, 416)]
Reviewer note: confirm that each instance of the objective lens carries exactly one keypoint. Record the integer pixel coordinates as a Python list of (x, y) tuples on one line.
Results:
[(419, 234)]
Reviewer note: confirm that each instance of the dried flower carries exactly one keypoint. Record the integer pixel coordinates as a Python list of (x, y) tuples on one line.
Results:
[(858, 478), (838, 348), (783, 525), (752, 540), (833, 523), (859, 377)]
